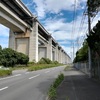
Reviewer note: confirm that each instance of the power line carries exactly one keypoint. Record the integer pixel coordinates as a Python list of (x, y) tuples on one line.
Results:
[(86, 31), (81, 27), (73, 26)]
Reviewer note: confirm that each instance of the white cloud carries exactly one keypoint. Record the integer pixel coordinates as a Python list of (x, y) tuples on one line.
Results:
[(61, 30), (55, 6), (4, 33), (4, 42), (64, 42)]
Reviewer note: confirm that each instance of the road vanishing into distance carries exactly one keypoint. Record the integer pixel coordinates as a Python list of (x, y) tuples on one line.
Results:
[(23, 85)]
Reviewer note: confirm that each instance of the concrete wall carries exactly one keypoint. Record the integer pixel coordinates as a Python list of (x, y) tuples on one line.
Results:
[(22, 45), (42, 52)]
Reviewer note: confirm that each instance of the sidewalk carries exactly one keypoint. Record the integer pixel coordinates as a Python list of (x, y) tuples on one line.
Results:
[(77, 86)]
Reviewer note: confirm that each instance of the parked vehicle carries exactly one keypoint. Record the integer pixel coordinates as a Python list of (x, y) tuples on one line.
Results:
[(3, 68)]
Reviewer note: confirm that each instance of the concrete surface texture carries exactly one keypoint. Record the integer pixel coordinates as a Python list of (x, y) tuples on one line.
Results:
[(77, 86)]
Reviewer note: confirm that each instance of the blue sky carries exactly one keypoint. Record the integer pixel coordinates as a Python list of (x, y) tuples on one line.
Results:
[(57, 18)]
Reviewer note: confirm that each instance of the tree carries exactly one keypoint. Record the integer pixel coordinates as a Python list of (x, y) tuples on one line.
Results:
[(0, 54), (93, 38), (82, 53), (93, 6)]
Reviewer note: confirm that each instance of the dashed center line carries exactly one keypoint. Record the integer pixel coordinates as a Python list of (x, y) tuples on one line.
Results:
[(34, 76), (10, 77), (47, 71), (27, 72), (4, 88)]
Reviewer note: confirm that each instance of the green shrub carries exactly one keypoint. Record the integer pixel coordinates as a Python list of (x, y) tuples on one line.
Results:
[(10, 58), (5, 72), (58, 80), (0, 55), (42, 66), (45, 61), (22, 58), (52, 94), (55, 62)]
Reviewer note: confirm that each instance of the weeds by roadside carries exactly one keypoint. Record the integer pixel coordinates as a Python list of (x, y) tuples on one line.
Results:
[(5, 73), (52, 94), (67, 67), (42, 66)]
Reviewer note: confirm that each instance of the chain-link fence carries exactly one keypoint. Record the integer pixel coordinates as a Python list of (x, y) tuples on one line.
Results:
[(84, 67)]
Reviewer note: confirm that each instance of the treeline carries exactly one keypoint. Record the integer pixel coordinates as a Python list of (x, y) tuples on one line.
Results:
[(93, 41), (10, 58), (82, 53)]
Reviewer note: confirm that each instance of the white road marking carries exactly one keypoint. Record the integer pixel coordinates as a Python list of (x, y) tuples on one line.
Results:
[(34, 76), (27, 72), (10, 77), (3, 88), (47, 71), (17, 75)]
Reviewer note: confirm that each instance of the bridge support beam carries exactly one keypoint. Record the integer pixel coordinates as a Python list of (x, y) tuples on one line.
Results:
[(53, 54), (33, 43), (49, 49), (56, 54), (11, 40)]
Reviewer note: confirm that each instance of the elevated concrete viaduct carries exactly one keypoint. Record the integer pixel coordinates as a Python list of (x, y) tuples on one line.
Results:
[(27, 35)]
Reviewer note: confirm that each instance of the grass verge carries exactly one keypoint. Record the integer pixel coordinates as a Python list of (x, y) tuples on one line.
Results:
[(42, 66), (52, 94), (5, 73), (67, 67)]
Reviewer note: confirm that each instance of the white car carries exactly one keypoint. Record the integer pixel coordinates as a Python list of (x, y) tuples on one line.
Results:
[(3, 68)]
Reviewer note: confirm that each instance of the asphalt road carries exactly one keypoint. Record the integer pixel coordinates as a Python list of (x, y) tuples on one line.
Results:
[(23, 85)]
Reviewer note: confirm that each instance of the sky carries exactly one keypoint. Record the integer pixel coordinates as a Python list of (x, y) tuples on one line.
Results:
[(63, 19)]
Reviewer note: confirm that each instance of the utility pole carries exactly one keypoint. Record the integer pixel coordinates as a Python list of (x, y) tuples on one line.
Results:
[(89, 50)]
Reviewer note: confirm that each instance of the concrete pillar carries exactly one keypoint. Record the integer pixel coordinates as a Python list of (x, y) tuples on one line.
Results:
[(33, 43), (56, 53), (64, 58), (49, 49), (11, 40), (60, 55)]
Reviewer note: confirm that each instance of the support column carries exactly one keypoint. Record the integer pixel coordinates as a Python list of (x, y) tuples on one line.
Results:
[(33, 43), (53, 55), (49, 49), (56, 54), (11, 40), (60, 56)]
